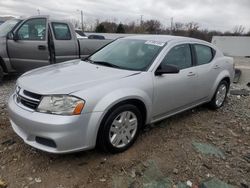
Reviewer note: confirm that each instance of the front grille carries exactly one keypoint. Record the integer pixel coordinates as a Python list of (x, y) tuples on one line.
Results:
[(32, 95), (28, 103), (27, 98)]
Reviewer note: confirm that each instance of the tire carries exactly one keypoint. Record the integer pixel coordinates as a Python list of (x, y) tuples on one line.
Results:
[(1, 74), (218, 100), (113, 135)]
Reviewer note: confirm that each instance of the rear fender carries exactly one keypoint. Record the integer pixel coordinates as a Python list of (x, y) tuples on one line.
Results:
[(220, 77)]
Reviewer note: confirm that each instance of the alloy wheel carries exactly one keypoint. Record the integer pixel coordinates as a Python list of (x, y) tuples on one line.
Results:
[(221, 95), (123, 129)]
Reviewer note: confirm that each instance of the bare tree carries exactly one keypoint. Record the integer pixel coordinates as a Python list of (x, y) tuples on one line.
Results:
[(110, 26), (238, 30), (75, 23), (152, 26), (130, 27), (248, 33), (191, 29), (192, 26), (178, 26)]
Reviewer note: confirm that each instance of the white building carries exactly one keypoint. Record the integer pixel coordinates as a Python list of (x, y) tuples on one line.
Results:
[(233, 45)]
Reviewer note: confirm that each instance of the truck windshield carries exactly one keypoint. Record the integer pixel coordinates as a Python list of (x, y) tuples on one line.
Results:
[(130, 54), (7, 26)]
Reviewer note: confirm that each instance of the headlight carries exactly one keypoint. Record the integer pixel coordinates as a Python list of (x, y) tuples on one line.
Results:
[(61, 105)]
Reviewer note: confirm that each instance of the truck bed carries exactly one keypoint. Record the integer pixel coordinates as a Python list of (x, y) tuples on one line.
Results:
[(89, 46)]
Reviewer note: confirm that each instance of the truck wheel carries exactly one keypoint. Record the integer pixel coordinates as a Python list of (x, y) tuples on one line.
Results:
[(120, 129), (220, 95), (1, 74)]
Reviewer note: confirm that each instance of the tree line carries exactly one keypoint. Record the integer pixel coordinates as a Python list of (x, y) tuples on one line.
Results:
[(191, 29)]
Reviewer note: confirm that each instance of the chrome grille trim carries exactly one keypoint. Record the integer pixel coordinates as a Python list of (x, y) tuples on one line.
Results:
[(26, 101), (21, 94)]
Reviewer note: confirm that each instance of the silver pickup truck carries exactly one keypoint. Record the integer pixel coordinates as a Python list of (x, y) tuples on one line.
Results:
[(39, 41)]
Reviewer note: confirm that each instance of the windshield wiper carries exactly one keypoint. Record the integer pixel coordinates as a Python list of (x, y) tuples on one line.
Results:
[(102, 63), (87, 60), (105, 63)]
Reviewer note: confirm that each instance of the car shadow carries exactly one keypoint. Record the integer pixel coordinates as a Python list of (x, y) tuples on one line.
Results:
[(80, 159), (175, 119), (9, 78), (95, 153)]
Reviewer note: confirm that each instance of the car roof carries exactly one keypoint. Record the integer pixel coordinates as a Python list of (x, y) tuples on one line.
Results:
[(163, 38)]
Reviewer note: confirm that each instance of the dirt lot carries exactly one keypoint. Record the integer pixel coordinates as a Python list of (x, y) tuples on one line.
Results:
[(170, 152)]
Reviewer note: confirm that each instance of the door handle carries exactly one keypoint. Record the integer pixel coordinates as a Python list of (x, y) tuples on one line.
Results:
[(41, 47), (190, 74), (216, 67)]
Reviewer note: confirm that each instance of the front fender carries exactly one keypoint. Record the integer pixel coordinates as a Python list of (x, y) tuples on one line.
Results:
[(117, 96)]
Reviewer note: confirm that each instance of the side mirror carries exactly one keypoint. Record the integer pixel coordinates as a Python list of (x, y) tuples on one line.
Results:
[(10, 35), (166, 69), (15, 36)]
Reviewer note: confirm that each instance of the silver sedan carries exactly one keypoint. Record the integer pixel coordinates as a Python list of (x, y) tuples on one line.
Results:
[(106, 99)]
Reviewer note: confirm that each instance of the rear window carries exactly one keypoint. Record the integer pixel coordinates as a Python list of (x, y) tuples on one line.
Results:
[(61, 31), (204, 54)]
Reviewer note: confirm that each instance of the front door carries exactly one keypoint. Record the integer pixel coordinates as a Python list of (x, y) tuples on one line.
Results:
[(174, 92), (30, 49)]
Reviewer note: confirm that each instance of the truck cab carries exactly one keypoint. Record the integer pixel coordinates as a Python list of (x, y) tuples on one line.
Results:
[(39, 41)]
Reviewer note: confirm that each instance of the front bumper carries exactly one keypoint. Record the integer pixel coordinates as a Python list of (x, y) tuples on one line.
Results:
[(68, 133)]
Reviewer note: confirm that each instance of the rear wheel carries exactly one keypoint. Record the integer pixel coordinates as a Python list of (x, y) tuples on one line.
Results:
[(120, 129), (220, 95)]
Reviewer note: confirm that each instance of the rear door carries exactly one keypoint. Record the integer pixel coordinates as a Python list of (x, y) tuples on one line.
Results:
[(30, 50), (207, 69), (65, 42)]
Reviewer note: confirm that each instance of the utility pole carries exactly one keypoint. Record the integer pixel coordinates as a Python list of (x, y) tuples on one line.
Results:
[(172, 25), (141, 19), (82, 19)]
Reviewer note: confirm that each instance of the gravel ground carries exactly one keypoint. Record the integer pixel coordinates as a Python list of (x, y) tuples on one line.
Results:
[(168, 145)]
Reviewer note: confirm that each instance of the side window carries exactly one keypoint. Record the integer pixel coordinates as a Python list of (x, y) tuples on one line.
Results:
[(61, 31), (204, 54), (179, 56), (33, 29)]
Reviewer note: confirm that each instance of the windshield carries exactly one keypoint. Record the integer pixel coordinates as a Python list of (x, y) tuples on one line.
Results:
[(128, 54), (7, 26)]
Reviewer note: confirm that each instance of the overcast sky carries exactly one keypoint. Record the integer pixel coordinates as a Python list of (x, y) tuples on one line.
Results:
[(212, 14)]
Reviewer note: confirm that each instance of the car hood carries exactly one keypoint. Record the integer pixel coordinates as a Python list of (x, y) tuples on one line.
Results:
[(69, 77)]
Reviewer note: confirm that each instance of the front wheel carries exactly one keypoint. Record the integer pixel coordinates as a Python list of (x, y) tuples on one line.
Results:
[(220, 95), (120, 129)]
